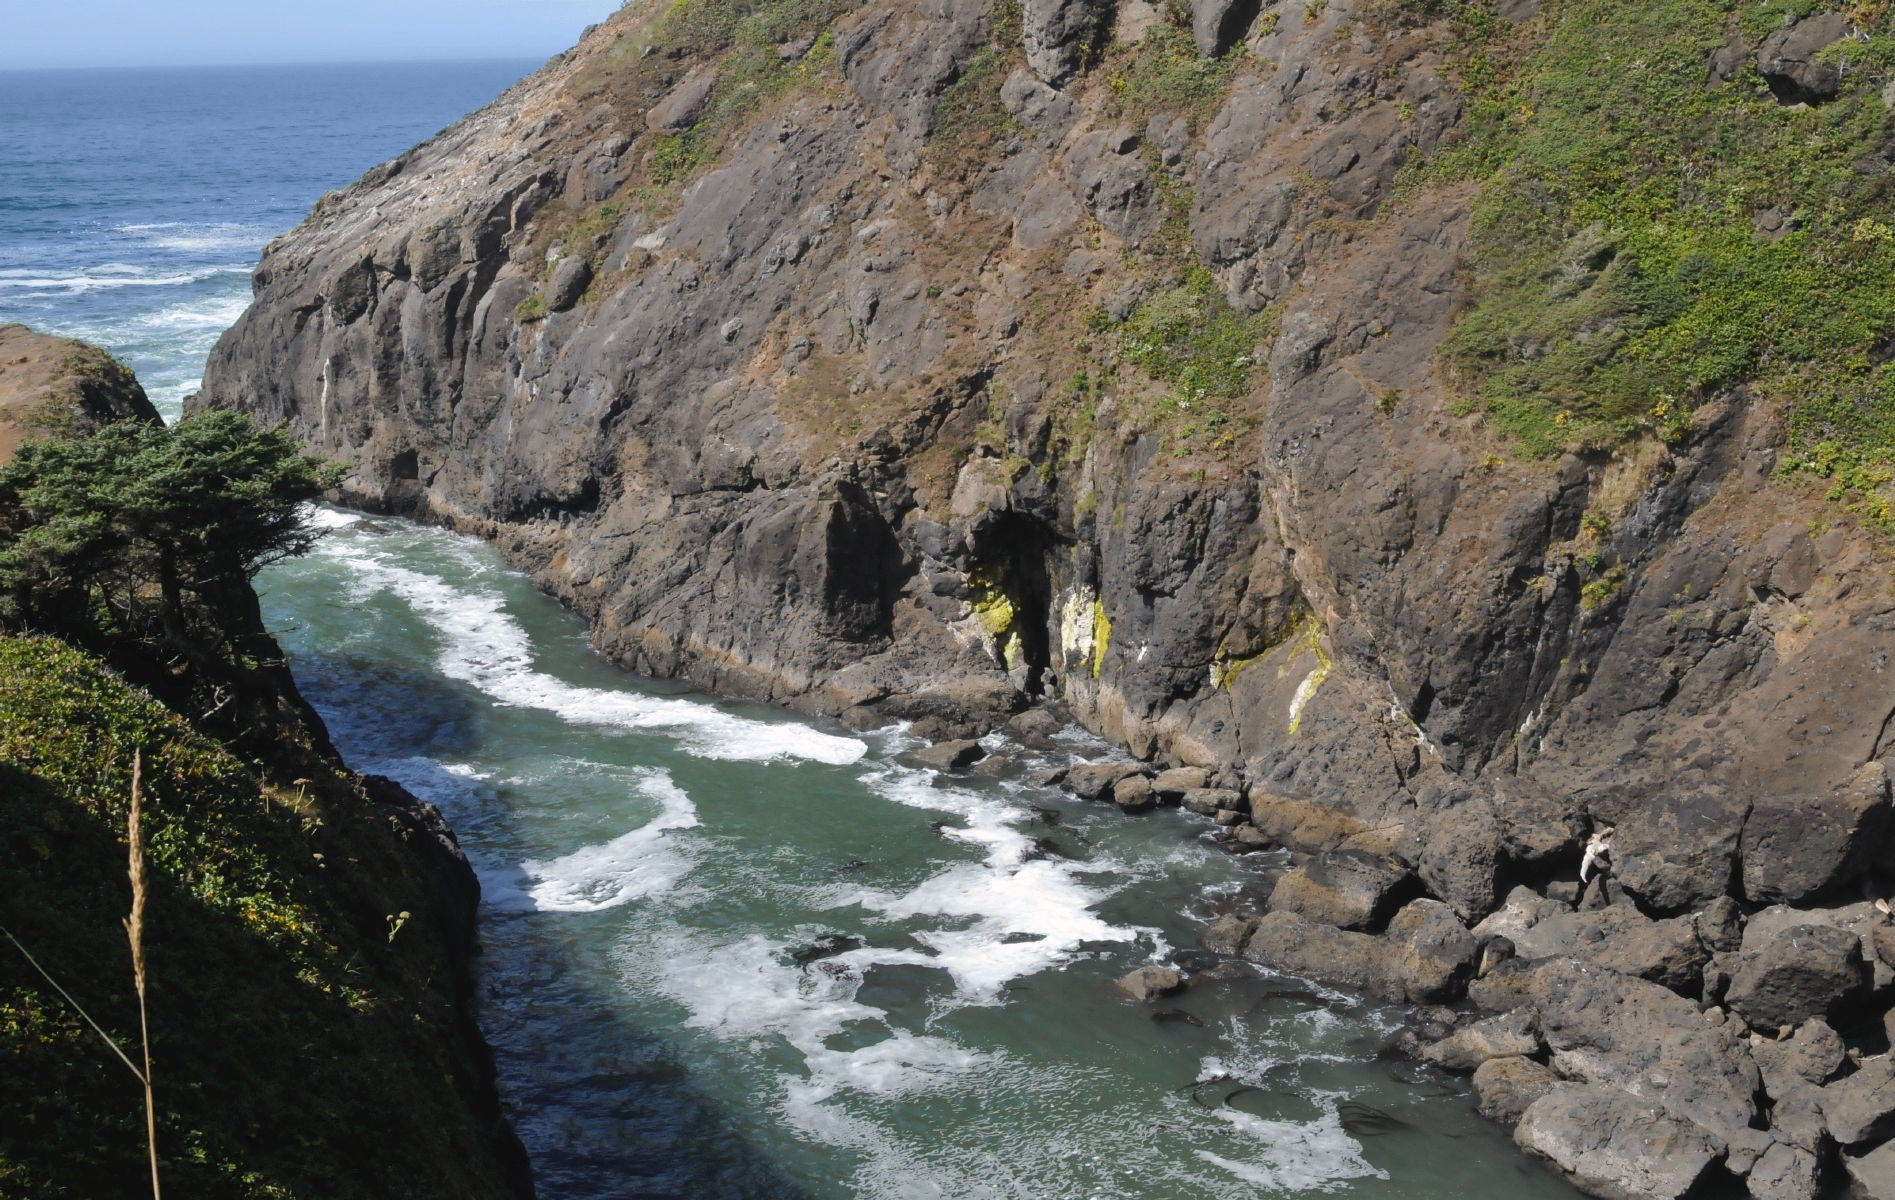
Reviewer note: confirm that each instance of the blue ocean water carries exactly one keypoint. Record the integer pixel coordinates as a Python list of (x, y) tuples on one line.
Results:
[(133, 203)]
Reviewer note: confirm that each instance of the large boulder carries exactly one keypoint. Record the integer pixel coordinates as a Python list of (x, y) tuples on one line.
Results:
[(1106, 172), (682, 106), (1611, 1143), (1305, 826), (1350, 889), (1861, 1108), (1431, 955), (1679, 852), (1228, 933), (1462, 858), (1787, 59), (1796, 848), (1811, 1057), (1510, 1035), (1507, 1087), (1874, 1173), (1037, 105), (1094, 781), (1807, 971), (1616, 1031), (1149, 983), (1296, 945), (950, 756), (1210, 801), (1622, 939), (1056, 33), (1522, 909), (569, 281), (1786, 1172), (1217, 25)]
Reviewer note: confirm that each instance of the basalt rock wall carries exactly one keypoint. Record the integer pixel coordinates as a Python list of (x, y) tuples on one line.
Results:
[(835, 421)]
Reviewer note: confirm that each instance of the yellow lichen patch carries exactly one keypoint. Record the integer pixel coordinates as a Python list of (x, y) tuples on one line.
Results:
[(986, 590), (1309, 637), (1101, 635)]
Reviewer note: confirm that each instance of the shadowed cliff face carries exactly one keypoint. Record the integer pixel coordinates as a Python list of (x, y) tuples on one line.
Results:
[(854, 419)]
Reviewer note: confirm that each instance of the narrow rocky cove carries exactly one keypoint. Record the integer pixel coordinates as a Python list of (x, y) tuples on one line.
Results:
[(1083, 599)]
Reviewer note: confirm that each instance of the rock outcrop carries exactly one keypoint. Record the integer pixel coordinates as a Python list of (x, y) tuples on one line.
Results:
[(56, 387)]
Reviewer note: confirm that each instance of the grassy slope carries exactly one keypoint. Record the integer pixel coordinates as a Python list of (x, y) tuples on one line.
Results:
[(298, 1049), (1620, 277)]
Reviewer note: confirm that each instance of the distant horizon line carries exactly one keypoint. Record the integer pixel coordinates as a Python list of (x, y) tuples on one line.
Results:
[(291, 62)]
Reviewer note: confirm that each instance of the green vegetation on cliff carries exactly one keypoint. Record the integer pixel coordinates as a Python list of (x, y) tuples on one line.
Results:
[(307, 931), (1649, 236)]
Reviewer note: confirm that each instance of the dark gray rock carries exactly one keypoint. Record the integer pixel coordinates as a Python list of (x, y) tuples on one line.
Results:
[(1431, 954), (571, 276), (682, 106), (1787, 59), (1462, 859), (1620, 938), (1721, 925), (949, 756), (1217, 25), (1807, 971), (1350, 889), (1812, 1056), (1786, 1172), (1609, 1142), (1106, 172), (1510, 1035), (1874, 1172), (1797, 848), (1149, 983), (1056, 32), (1680, 852), (1861, 1108), (1038, 106), (1227, 934), (1615, 1031), (1507, 1087), (1493, 952)]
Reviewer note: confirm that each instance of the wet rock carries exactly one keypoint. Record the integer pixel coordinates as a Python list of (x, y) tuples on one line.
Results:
[(1349, 889), (1148, 983), (1812, 1056), (1861, 1108), (1251, 836), (1094, 781), (1432, 954), (1296, 945), (569, 282), (1133, 794), (827, 946), (1511, 1035), (680, 109), (1211, 800), (1787, 59), (1227, 934), (1035, 728), (1051, 778), (1055, 33), (1796, 848), (1874, 1173), (1507, 1087), (949, 756), (1611, 1143), (1807, 971), (997, 766)]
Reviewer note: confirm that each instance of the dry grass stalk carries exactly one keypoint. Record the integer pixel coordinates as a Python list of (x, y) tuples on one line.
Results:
[(135, 931)]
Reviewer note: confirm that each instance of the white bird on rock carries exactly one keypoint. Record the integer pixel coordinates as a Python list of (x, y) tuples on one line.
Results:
[(1598, 852)]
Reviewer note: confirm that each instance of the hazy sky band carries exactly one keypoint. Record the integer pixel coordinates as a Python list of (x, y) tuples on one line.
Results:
[(127, 33)]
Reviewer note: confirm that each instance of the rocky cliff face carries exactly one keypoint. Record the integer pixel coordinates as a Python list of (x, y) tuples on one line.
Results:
[(934, 359)]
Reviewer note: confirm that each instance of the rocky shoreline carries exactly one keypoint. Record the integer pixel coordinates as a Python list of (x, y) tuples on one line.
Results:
[(1638, 1056)]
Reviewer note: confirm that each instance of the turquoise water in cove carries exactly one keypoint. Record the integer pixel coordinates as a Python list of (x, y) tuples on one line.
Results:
[(727, 952)]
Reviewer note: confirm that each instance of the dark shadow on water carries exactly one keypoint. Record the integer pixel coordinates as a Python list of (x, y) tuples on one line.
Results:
[(602, 1104)]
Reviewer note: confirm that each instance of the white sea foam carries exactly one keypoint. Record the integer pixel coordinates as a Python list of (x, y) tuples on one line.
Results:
[(633, 866), (97, 282), (484, 646), (1032, 914), (1303, 1156)]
